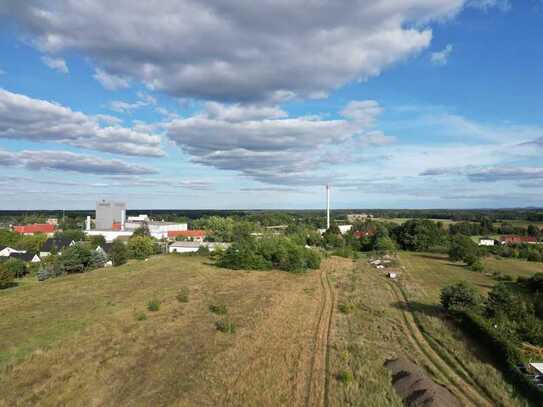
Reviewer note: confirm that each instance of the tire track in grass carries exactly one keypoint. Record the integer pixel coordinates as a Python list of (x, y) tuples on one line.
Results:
[(463, 390), (317, 390)]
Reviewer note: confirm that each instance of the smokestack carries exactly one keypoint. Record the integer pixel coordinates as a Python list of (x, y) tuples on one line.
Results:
[(88, 223), (123, 218), (327, 206)]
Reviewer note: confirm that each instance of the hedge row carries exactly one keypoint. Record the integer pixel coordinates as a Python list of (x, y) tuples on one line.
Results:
[(505, 353)]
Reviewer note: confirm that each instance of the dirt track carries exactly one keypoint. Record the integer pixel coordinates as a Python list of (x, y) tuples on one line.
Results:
[(466, 392), (317, 391)]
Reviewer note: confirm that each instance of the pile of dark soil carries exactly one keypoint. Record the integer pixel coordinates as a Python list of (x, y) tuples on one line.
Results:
[(415, 388)]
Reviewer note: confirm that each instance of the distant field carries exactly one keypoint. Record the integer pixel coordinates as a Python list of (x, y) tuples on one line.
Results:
[(447, 222), (76, 341)]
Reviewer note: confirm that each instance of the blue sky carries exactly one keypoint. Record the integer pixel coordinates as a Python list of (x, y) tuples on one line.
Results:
[(185, 104)]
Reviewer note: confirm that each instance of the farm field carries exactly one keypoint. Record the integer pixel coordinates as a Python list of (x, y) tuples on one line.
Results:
[(76, 340)]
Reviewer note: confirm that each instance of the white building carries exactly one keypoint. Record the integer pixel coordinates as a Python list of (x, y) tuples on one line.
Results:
[(192, 247), (109, 235), (486, 241), (5, 251), (344, 228)]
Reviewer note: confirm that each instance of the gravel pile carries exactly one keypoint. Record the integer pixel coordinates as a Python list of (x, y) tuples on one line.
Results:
[(415, 388)]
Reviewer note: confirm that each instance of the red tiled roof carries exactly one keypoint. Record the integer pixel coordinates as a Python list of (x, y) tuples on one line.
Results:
[(35, 228), (187, 233), (518, 239), (359, 234)]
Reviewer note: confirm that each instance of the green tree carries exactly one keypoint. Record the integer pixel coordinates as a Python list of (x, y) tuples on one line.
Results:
[(98, 259), (141, 247), (96, 241), (7, 276), (385, 244), (461, 295), (17, 267), (419, 235), (77, 235), (9, 238), (142, 231), (462, 248), (75, 259), (118, 253)]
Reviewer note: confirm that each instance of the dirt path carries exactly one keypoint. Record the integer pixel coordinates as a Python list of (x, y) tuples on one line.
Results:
[(318, 388), (465, 391)]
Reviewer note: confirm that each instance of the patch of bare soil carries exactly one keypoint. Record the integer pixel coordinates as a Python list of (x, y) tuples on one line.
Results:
[(415, 388)]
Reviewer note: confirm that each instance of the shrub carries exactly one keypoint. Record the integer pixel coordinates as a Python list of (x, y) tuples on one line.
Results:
[(98, 259), (7, 276), (460, 295), (140, 316), (141, 247), (153, 305), (477, 266), (346, 308), (344, 377), (226, 326), (118, 253), (75, 259), (183, 295), (218, 309), (17, 267)]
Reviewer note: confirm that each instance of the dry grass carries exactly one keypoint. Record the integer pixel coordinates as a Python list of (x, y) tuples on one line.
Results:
[(382, 326), (75, 340), (423, 279)]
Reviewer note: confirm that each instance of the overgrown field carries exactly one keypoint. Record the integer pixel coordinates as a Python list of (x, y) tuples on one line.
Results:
[(385, 319), (169, 331)]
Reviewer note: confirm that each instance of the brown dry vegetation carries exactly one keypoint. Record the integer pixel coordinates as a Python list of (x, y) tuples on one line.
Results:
[(76, 341)]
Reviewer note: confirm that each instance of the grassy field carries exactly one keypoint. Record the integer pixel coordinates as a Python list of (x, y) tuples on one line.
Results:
[(313, 339), (389, 320), (82, 339)]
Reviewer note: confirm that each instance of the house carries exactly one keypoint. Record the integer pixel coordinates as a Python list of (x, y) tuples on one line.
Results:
[(192, 247), (55, 246), (29, 230), (360, 234), (195, 235), (344, 228), (26, 257), (104, 248), (512, 239), (486, 241), (5, 251)]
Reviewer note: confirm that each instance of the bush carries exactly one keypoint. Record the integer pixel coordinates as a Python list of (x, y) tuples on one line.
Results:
[(281, 253), (226, 326), (460, 296), (7, 277), (183, 295), (17, 267), (98, 259), (344, 377), (118, 253), (153, 305), (75, 259), (477, 266), (141, 247), (346, 308), (218, 309), (140, 316)]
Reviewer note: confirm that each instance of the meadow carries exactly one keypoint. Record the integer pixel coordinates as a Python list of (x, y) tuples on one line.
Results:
[(95, 338)]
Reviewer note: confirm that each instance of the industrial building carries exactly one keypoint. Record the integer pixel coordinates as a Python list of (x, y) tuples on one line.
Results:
[(108, 213), (112, 223)]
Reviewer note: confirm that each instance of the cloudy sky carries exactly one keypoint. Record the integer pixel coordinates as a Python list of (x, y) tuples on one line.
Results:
[(244, 104)]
